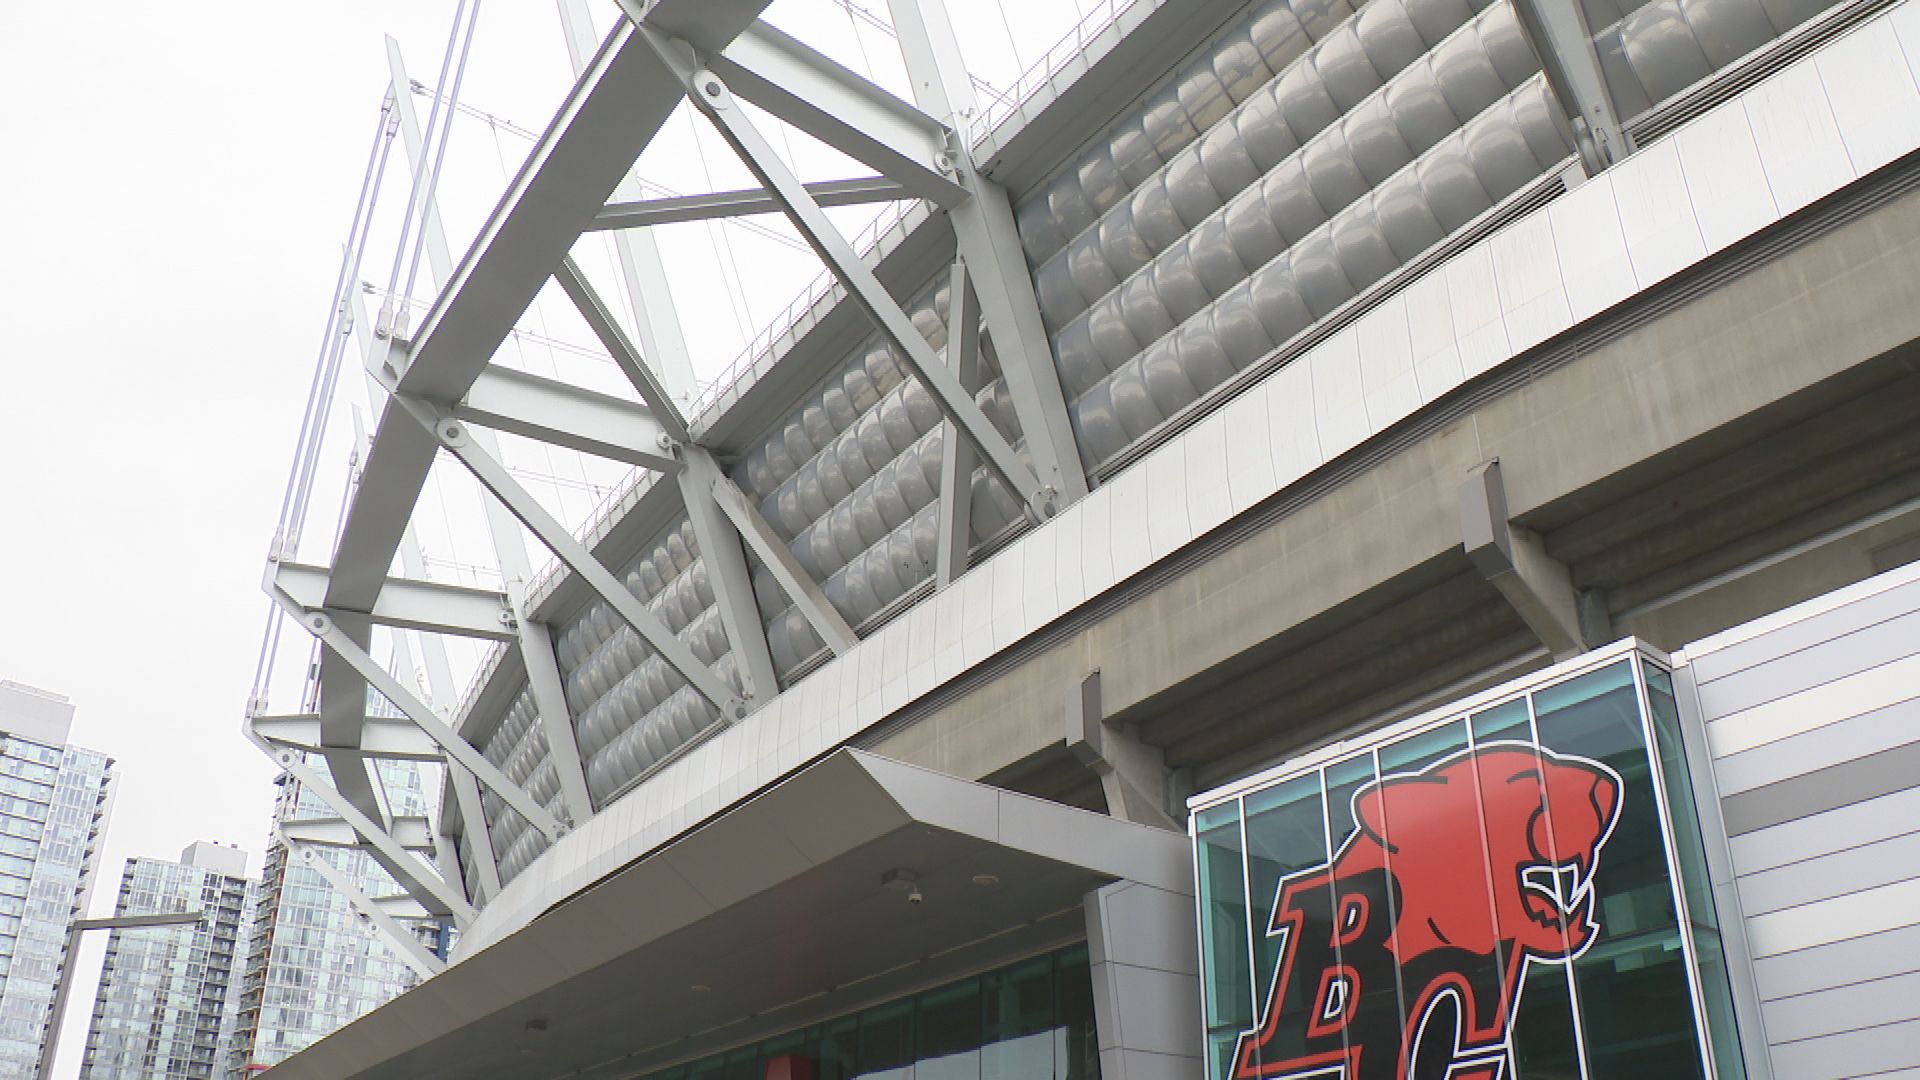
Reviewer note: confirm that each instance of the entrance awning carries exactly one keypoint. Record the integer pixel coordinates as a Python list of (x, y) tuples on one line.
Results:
[(768, 916)]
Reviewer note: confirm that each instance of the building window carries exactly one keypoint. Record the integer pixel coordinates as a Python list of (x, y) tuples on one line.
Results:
[(1513, 887)]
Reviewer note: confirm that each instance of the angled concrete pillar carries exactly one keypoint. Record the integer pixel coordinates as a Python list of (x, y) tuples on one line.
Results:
[(1514, 561), (1133, 775)]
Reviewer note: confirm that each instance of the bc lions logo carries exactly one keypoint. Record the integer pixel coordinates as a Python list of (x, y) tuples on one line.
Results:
[(1455, 878)]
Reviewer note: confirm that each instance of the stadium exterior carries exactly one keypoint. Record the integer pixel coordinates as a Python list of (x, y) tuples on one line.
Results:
[(1417, 580)]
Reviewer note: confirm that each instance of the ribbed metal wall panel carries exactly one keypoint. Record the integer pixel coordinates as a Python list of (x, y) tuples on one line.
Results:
[(1813, 722)]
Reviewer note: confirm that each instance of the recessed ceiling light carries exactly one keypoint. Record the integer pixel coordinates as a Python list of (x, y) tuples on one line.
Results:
[(984, 880), (699, 988)]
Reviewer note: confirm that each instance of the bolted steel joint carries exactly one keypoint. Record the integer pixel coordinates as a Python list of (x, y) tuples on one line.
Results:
[(451, 433), (711, 88), (318, 624)]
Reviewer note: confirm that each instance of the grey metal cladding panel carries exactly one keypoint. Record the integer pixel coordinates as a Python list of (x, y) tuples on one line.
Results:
[(1831, 744), (1834, 874), (1806, 633), (1804, 838), (1852, 1054), (1826, 789), (1834, 644), (1848, 1008), (1843, 963)]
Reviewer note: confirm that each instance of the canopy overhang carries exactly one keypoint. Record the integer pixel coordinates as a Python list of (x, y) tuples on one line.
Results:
[(794, 905)]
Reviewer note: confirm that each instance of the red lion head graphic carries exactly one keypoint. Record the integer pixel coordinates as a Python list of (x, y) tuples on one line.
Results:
[(1402, 957)]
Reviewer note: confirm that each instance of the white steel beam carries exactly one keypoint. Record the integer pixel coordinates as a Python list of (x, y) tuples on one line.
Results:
[(644, 273), (712, 97), (479, 837), (430, 606), (545, 687), (1562, 40), (956, 453), (629, 359), (399, 939), (986, 237), (565, 415), (773, 552), (493, 476), (457, 749), (411, 833), (385, 737), (812, 92), (412, 874), (725, 204), (727, 572), (620, 102)]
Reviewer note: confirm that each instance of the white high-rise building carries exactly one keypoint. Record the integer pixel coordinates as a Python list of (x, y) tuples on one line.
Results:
[(168, 996), (54, 800)]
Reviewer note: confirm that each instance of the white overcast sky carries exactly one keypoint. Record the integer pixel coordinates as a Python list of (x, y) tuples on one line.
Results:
[(176, 181)]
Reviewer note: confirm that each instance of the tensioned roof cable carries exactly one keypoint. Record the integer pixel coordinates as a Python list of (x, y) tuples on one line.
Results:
[(369, 189), (440, 151), (293, 502), (422, 178)]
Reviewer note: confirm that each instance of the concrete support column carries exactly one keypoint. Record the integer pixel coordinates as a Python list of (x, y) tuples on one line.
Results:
[(1146, 983), (1133, 775), (1514, 561)]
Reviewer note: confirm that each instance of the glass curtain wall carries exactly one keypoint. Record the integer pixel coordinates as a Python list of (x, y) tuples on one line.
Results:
[(1029, 1021), (1514, 889)]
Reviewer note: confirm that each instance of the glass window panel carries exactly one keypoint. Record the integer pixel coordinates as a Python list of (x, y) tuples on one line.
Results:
[(1018, 1022), (1542, 1038), (1286, 833), (1223, 921), (947, 1033), (1507, 720), (1696, 882), (1077, 1051), (1636, 1009), (1419, 750), (836, 1048), (886, 1040), (1343, 780)]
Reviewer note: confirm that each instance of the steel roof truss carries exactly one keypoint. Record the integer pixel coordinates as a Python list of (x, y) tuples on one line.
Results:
[(410, 833), (727, 572), (401, 940), (411, 873), (545, 687), (386, 737), (455, 747), (725, 204), (711, 95), (807, 89), (566, 415), (413, 605), (956, 454), (494, 477), (774, 553), (629, 359)]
